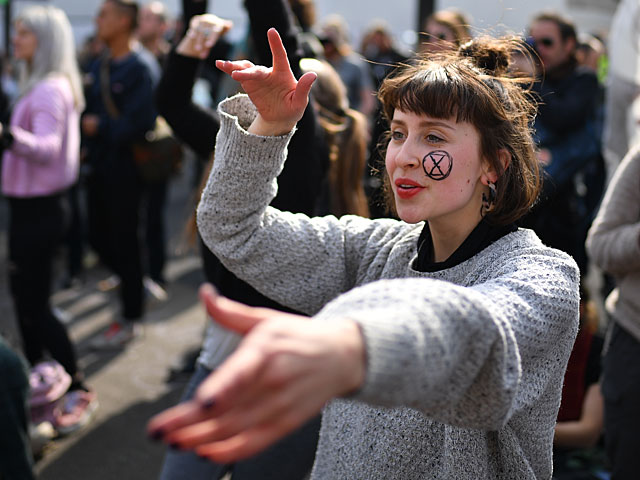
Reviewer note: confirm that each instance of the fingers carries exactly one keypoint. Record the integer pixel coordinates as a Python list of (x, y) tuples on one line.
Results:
[(174, 418), (254, 411), (233, 382), (301, 95), (233, 315), (278, 52), (229, 67), (241, 446)]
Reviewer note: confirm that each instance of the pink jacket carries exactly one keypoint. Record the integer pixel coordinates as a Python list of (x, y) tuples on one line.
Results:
[(44, 157)]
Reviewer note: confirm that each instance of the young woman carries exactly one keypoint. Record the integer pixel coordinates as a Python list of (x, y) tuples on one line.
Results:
[(437, 344), (40, 163)]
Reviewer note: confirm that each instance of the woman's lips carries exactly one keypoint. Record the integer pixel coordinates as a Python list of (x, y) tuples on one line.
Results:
[(406, 188)]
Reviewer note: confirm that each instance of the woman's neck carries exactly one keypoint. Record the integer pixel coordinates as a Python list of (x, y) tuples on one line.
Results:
[(447, 236)]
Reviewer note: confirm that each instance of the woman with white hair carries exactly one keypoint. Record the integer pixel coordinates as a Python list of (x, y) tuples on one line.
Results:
[(40, 162)]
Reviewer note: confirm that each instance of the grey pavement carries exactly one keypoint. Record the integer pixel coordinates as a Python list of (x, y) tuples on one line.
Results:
[(132, 384)]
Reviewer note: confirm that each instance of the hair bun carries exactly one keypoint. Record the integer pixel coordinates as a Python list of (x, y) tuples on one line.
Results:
[(488, 54)]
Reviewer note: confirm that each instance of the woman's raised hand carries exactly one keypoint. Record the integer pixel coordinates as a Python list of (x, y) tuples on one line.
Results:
[(279, 98), (204, 31), (281, 375)]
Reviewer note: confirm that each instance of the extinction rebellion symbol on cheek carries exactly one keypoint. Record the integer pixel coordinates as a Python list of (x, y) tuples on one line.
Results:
[(437, 165)]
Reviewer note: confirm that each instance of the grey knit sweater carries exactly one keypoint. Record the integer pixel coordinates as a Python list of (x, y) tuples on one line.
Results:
[(464, 365), (614, 242)]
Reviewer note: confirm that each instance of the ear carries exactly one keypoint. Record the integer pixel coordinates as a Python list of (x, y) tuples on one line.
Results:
[(489, 172), (570, 46)]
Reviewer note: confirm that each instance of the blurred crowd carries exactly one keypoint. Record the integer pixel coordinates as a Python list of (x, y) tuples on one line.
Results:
[(92, 140)]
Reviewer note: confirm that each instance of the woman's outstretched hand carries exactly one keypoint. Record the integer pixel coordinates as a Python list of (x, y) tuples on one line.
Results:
[(279, 98), (281, 375)]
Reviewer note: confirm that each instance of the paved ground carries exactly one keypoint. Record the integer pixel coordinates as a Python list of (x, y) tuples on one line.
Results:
[(132, 384)]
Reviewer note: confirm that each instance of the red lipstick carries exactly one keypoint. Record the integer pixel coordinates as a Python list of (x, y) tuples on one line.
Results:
[(407, 188)]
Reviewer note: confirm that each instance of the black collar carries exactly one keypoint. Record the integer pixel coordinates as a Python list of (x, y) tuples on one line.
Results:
[(480, 238)]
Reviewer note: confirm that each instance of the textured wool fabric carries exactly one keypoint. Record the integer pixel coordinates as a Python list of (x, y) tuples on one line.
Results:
[(614, 241), (464, 365)]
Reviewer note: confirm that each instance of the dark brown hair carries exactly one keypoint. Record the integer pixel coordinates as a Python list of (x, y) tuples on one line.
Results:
[(472, 85), (130, 9)]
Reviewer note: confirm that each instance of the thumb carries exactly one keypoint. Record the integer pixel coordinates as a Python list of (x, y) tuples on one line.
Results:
[(228, 313), (301, 95)]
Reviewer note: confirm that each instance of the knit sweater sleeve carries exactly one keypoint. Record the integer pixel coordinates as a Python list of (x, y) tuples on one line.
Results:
[(468, 356), (614, 238), (262, 245)]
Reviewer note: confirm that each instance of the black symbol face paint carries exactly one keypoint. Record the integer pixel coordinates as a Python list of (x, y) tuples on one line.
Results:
[(437, 165)]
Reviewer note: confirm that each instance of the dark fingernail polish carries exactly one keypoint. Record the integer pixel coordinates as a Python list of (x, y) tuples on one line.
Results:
[(156, 435), (209, 404), (175, 446)]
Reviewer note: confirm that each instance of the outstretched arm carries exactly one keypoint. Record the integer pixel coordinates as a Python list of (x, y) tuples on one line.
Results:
[(262, 393), (278, 97)]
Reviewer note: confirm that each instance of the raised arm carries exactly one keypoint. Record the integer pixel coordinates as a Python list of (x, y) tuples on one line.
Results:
[(298, 261), (194, 125), (303, 178)]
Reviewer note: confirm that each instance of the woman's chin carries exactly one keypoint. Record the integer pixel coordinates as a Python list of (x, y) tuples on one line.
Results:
[(410, 217)]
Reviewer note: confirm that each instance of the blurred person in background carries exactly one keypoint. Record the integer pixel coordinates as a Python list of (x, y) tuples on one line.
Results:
[(302, 189), (577, 441), (334, 36), (568, 132), (590, 52), (119, 111), (345, 133), (382, 55), (614, 245), (622, 115), (153, 23), (16, 458), (444, 30), (40, 163), (379, 48)]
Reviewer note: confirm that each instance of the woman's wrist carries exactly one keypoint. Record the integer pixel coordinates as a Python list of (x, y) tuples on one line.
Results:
[(264, 128), (352, 348)]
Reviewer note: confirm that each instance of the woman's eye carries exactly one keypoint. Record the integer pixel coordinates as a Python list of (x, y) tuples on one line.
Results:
[(396, 135), (431, 138)]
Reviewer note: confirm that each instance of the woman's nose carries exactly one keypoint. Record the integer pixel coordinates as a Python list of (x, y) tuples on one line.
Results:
[(408, 156)]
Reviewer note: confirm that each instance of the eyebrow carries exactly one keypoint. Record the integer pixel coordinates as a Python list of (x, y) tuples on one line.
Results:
[(426, 123)]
